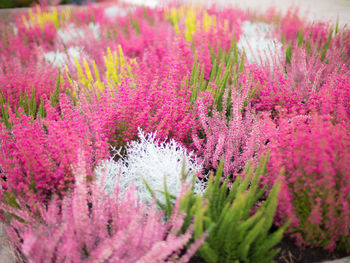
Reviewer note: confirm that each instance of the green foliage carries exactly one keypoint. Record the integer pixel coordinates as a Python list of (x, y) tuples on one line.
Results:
[(326, 46), (29, 104), (239, 229), (289, 54), (240, 235), (5, 106), (226, 66), (300, 38), (7, 4), (55, 96), (15, 3)]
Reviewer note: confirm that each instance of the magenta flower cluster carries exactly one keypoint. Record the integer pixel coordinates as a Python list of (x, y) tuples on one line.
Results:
[(73, 83)]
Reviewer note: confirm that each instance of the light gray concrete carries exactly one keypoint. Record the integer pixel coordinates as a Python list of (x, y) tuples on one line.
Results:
[(6, 253), (313, 10), (322, 10)]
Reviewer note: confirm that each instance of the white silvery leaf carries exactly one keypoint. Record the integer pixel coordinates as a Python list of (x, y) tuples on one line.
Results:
[(151, 160)]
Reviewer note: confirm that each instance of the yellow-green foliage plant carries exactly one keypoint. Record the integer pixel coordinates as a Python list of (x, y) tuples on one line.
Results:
[(239, 229), (42, 17), (118, 68)]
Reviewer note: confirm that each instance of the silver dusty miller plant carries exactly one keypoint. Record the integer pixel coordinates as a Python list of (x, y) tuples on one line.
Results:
[(151, 160)]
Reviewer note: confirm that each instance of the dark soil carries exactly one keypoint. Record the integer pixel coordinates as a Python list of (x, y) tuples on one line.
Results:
[(290, 253)]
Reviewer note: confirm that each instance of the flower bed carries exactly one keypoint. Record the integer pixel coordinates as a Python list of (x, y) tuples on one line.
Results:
[(115, 119)]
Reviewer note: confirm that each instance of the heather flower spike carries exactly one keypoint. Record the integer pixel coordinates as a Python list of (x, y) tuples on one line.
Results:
[(89, 226)]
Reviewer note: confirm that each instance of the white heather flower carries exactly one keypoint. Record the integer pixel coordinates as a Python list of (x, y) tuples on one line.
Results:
[(257, 43), (151, 160)]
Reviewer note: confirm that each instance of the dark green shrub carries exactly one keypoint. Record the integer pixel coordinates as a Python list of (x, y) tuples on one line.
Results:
[(239, 229)]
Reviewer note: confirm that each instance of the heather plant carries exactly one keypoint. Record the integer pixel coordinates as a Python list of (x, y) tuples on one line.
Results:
[(313, 152), (21, 81), (310, 57), (90, 226), (289, 25), (28, 103), (153, 102), (36, 155), (144, 30), (236, 138), (140, 94), (191, 20), (225, 69), (271, 94), (191, 78), (308, 73), (333, 99), (237, 221), (297, 90), (147, 164), (152, 109)]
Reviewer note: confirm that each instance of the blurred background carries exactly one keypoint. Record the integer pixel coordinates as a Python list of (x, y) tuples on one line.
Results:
[(325, 10), (28, 3)]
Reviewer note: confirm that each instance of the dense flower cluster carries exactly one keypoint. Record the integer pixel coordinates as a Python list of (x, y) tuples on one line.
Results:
[(314, 155), (178, 90), (37, 156), (123, 230)]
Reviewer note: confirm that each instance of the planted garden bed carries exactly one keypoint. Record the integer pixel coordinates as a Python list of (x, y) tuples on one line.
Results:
[(174, 134)]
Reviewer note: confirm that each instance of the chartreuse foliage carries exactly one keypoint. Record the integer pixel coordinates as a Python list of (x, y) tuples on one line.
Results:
[(41, 17), (118, 68), (239, 229), (192, 20)]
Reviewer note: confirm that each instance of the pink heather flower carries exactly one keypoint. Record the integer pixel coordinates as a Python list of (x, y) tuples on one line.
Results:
[(236, 139), (313, 153), (90, 226), (36, 155)]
